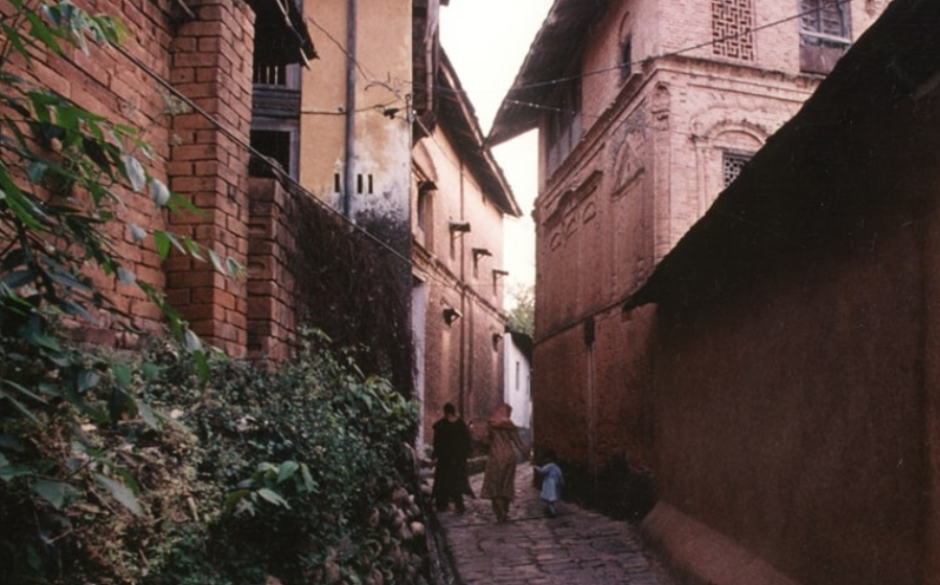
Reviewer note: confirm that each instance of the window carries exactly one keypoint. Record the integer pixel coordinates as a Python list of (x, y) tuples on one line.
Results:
[(563, 125), (275, 96), (732, 22), (626, 59), (824, 34), (732, 163), (424, 212), (275, 145), (424, 201)]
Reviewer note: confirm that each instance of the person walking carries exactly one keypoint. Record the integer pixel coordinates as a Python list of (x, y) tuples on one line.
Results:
[(552, 480), (450, 451), (500, 472)]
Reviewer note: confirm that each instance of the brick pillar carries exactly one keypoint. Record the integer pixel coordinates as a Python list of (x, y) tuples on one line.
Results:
[(212, 65), (271, 317)]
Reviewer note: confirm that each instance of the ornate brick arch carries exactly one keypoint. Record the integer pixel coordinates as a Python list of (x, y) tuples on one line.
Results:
[(714, 134)]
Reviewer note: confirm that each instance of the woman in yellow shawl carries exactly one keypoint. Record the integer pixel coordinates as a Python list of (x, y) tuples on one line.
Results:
[(500, 473)]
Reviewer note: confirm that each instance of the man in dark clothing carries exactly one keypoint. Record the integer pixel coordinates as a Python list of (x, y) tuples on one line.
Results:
[(451, 449)]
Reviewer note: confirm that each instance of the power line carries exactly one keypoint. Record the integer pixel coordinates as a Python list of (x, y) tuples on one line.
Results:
[(300, 188), (294, 185), (339, 45), (556, 81), (620, 66)]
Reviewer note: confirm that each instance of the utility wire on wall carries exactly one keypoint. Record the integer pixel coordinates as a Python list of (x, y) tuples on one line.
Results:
[(620, 66), (300, 188), (278, 172)]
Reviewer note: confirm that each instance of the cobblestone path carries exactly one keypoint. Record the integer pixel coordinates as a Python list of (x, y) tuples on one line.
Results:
[(578, 547)]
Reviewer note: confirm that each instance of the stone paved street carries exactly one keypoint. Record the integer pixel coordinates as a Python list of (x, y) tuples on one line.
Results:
[(578, 547)]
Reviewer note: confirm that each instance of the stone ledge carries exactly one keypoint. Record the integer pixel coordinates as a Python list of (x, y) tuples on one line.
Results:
[(697, 555)]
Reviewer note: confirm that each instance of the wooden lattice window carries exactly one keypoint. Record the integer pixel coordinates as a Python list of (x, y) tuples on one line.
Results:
[(732, 163), (732, 23), (824, 34)]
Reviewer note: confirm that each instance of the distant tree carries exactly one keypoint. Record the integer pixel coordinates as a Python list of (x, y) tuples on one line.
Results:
[(522, 314)]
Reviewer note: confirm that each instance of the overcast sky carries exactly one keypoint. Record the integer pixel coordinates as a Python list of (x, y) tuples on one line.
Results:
[(487, 41)]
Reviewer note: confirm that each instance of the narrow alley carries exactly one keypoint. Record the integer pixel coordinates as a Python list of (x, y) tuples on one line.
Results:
[(578, 547)]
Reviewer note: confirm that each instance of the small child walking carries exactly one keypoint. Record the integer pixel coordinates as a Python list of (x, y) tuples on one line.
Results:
[(552, 480)]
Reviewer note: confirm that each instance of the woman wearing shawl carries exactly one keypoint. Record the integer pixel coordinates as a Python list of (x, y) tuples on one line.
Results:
[(500, 473)]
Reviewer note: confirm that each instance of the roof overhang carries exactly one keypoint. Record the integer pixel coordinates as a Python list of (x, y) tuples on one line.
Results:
[(555, 48), (457, 115), (285, 19)]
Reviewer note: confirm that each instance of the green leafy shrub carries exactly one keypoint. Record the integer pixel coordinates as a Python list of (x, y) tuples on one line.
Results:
[(129, 468), (289, 472)]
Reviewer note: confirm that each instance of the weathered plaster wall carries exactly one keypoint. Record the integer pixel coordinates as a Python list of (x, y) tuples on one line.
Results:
[(517, 384), (463, 360), (811, 406), (382, 137)]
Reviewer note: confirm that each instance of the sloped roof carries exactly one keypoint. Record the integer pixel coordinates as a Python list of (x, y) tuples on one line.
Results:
[(839, 164), (291, 39), (456, 111), (557, 44)]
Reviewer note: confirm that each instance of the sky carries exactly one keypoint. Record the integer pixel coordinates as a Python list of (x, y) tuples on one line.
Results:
[(487, 40)]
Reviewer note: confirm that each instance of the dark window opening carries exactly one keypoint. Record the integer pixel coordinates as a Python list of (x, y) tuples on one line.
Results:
[(563, 125), (626, 59), (825, 34), (275, 146)]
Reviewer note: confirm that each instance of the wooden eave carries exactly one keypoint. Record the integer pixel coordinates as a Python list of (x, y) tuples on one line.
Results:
[(555, 48), (294, 39), (457, 115)]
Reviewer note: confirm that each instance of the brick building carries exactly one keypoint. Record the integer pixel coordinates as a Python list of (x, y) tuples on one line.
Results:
[(460, 197), (200, 52), (240, 78), (646, 110), (796, 388)]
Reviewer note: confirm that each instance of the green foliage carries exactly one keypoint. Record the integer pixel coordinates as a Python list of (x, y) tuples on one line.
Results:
[(522, 315), (308, 452), (65, 173), (287, 472), (173, 466)]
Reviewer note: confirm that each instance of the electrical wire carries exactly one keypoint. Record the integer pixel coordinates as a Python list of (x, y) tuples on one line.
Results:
[(638, 62), (294, 184), (395, 253)]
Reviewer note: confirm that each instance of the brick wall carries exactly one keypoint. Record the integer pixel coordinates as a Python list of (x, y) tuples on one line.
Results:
[(648, 165), (211, 65), (271, 315), (107, 83), (462, 364), (208, 59)]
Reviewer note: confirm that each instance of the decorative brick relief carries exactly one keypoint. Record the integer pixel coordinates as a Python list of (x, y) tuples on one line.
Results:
[(575, 206), (732, 21), (629, 153), (714, 134), (590, 211), (874, 7)]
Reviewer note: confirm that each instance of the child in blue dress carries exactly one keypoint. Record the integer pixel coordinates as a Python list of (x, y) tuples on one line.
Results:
[(552, 480)]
